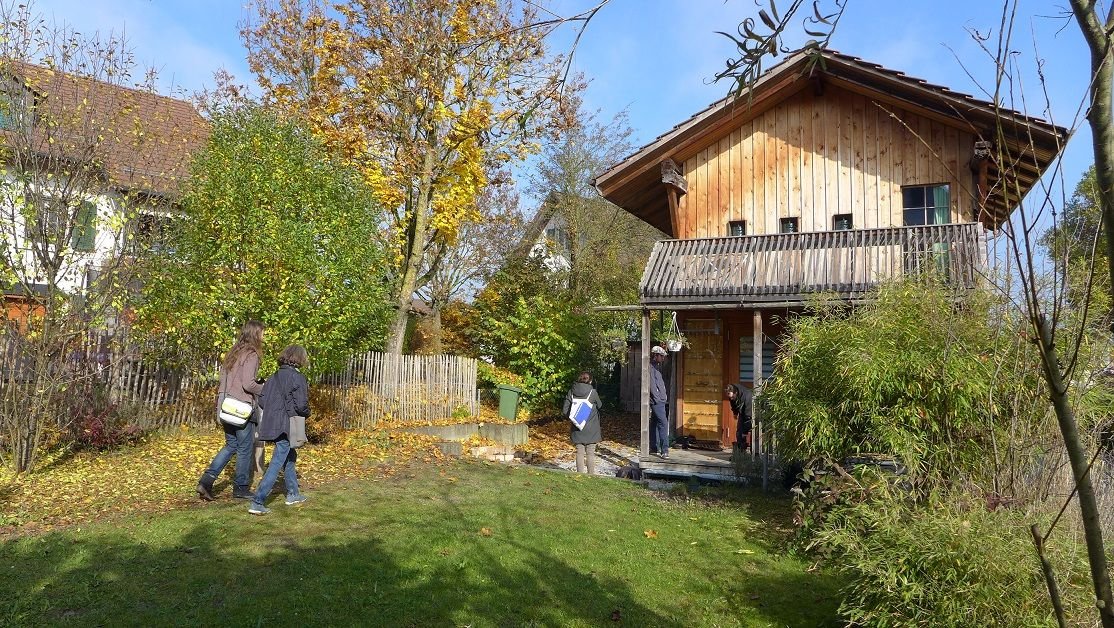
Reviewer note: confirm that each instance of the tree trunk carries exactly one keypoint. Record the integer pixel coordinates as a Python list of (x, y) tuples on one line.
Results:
[(413, 251), (1099, 115), (1088, 505)]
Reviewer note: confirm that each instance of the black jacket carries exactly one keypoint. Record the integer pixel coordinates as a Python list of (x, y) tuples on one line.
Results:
[(591, 432), (285, 394), (742, 406)]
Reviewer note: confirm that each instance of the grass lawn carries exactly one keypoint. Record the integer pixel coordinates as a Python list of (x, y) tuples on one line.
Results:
[(462, 544)]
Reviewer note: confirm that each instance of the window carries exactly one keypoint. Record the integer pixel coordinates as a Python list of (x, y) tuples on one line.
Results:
[(926, 204), (151, 231), (13, 104), (746, 358), (9, 112), (737, 228), (558, 239), (789, 225), (85, 228), (46, 219), (841, 222)]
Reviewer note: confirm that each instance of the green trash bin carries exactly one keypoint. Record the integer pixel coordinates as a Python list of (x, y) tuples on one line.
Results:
[(508, 401)]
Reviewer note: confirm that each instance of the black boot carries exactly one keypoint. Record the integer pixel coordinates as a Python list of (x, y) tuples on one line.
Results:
[(242, 492), (205, 487)]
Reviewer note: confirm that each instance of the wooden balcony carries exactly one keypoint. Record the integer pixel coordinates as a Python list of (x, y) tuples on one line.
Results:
[(790, 267)]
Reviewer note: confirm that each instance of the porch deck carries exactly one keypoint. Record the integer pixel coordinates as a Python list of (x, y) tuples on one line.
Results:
[(713, 465)]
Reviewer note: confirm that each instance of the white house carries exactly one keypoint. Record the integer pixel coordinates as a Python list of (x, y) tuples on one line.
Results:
[(91, 169)]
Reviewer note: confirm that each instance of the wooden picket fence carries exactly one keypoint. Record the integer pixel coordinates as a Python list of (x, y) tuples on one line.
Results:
[(384, 389), (373, 389)]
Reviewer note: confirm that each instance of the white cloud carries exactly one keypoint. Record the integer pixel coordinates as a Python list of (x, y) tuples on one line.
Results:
[(185, 42)]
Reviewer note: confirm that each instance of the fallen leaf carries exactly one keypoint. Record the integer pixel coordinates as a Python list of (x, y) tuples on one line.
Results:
[(485, 531), (744, 551), (651, 534), (616, 615)]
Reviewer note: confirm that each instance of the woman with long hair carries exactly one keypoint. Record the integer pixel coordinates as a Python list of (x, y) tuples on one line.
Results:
[(285, 395), (238, 373)]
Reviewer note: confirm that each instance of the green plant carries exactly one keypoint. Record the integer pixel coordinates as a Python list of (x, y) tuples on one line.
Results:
[(528, 327), (915, 375), (490, 376), (950, 563), (272, 227)]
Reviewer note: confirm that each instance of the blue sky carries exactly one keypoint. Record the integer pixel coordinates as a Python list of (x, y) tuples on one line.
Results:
[(655, 58)]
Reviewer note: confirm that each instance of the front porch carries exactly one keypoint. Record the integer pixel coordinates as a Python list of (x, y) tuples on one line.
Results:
[(732, 295)]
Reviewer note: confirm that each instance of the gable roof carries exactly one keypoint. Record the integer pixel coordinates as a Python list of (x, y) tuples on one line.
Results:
[(635, 184), (142, 141)]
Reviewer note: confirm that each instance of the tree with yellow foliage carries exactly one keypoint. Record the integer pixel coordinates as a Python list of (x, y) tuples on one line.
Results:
[(424, 97)]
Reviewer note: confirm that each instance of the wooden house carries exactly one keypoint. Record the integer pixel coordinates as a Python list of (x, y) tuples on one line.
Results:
[(831, 175)]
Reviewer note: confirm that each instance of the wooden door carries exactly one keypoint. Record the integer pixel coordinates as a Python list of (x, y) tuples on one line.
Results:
[(702, 372)]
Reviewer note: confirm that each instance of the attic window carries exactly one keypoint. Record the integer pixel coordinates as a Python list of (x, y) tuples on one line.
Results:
[(13, 105), (737, 228), (841, 222), (558, 239)]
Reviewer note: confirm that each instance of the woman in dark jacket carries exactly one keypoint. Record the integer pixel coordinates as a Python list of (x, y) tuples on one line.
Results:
[(586, 437), (285, 394), (237, 380)]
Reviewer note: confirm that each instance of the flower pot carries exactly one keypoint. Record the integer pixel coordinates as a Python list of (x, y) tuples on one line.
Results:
[(673, 345)]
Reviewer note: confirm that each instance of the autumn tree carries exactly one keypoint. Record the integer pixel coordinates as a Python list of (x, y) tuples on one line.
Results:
[(271, 227), (605, 247), (467, 263), (423, 97), (87, 148)]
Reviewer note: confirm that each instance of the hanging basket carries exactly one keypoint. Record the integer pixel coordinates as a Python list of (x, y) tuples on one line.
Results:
[(674, 339)]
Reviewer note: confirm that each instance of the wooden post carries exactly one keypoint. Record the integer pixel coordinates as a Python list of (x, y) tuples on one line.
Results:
[(644, 448), (756, 425), (676, 186), (758, 441)]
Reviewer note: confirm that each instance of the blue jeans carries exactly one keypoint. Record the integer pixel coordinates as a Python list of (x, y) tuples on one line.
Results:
[(237, 440), (282, 458), (659, 428)]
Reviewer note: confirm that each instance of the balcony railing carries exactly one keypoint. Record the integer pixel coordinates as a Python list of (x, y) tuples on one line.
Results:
[(789, 267)]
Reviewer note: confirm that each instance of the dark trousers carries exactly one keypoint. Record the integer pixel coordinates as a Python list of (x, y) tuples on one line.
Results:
[(659, 428)]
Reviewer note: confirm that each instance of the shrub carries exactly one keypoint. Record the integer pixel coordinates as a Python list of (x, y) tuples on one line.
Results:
[(949, 563), (490, 376), (97, 423), (914, 374)]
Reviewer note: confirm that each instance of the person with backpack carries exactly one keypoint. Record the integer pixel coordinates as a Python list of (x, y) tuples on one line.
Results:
[(586, 436), (239, 387), (285, 395)]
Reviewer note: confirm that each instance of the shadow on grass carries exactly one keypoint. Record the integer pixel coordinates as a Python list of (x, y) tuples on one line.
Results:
[(403, 552), (203, 580)]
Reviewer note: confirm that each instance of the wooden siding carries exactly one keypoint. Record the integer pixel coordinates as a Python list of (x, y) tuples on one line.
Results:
[(815, 156), (790, 267)]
